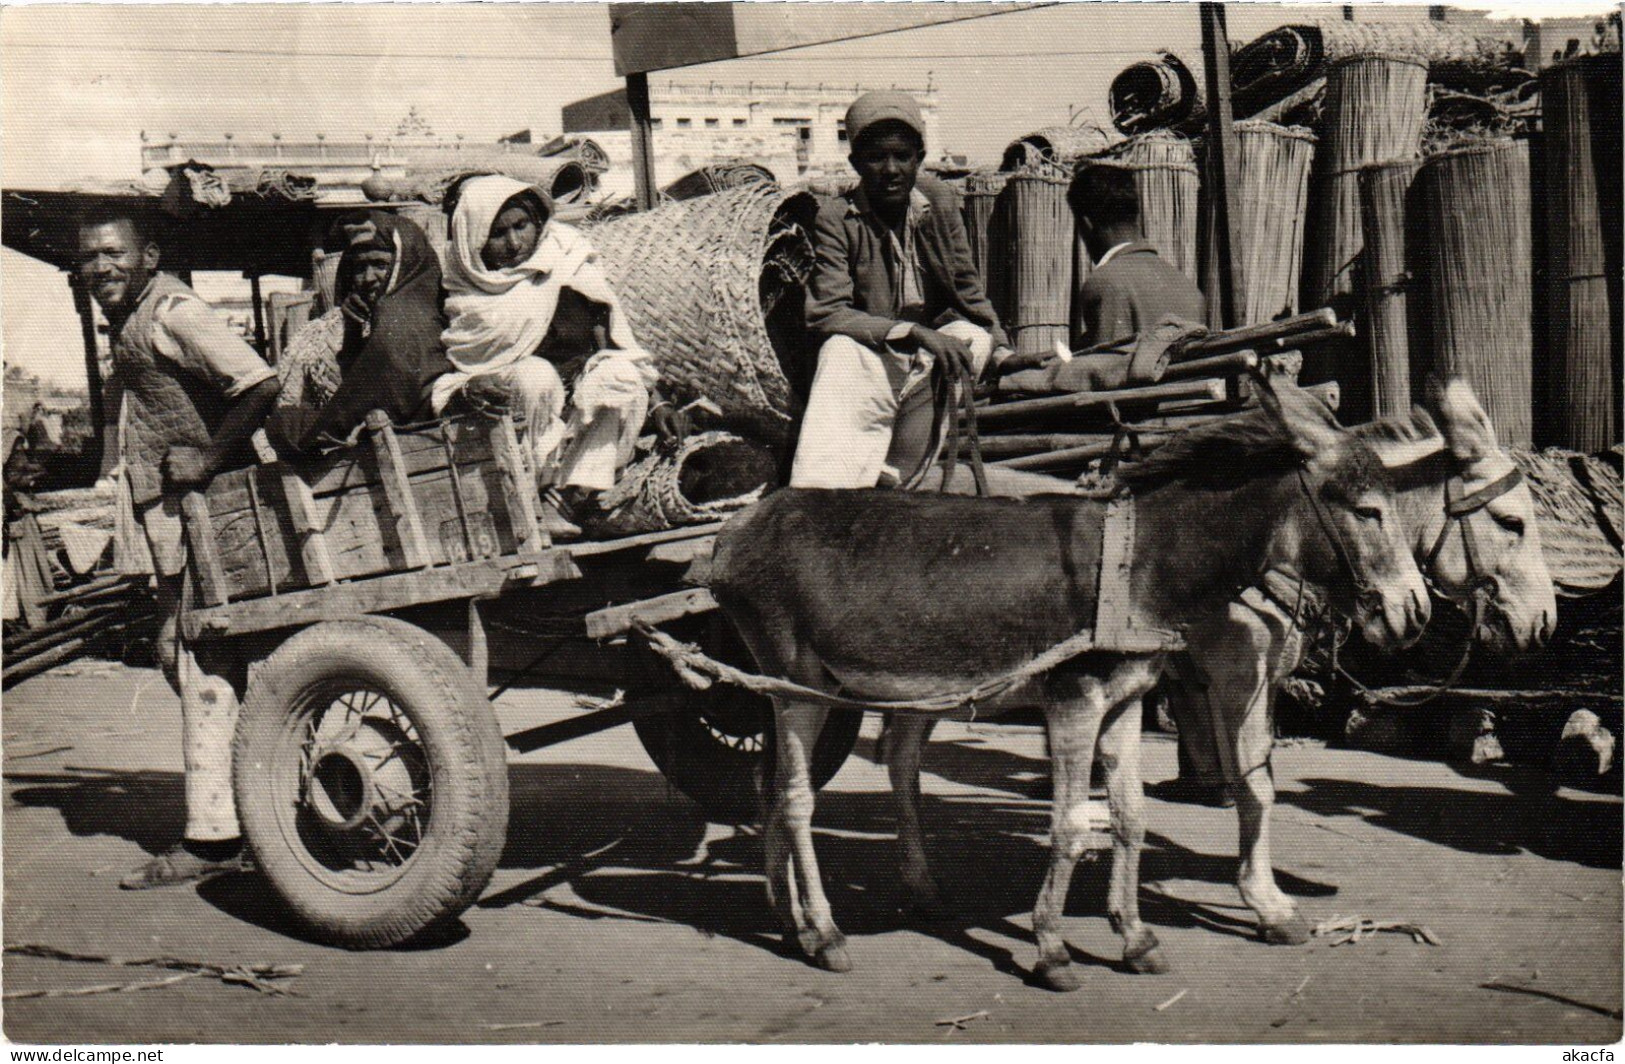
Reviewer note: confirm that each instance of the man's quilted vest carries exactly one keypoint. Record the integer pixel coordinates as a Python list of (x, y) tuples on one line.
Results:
[(165, 403)]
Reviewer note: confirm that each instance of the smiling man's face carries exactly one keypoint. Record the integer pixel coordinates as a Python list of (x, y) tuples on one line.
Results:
[(115, 263), (888, 162)]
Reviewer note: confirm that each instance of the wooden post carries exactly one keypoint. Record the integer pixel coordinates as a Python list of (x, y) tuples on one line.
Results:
[(210, 577), (1222, 158), (397, 488), (93, 365), (643, 144), (259, 315)]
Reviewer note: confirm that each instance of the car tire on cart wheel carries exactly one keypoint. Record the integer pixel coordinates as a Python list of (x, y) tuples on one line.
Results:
[(718, 748), (371, 780)]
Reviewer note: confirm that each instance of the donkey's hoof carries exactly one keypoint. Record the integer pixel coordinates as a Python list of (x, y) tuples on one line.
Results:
[(1061, 977), (1293, 931), (833, 958), (1145, 957)]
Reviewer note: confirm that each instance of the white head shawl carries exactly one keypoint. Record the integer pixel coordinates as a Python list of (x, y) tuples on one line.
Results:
[(499, 316)]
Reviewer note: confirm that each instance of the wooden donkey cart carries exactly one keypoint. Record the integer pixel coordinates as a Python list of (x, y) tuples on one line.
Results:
[(372, 595)]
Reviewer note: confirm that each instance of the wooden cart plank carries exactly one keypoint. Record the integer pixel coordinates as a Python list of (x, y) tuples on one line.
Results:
[(376, 595), (619, 619)]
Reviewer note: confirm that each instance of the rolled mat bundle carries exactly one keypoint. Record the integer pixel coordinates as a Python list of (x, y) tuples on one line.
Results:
[(1581, 366), (1274, 190), (1059, 147), (1159, 93), (712, 287), (712, 475), (1374, 111), (1473, 267), (1036, 237), (1164, 166), (583, 150), (431, 176), (729, 173), (1384, 189), (1274, 66)]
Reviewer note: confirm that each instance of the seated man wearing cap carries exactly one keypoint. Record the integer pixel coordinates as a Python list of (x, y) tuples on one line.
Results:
[(893, 291)]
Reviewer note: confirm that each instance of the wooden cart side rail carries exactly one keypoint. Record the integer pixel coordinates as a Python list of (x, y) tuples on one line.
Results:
[(489, 576)]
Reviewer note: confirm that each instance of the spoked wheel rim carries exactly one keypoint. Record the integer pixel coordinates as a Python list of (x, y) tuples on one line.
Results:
[(738, 721), (354, 787)]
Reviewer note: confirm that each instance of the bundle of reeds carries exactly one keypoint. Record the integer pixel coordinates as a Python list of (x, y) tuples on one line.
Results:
[(1375, 108), (1038, 238), (1054, 147), (1474, 269), (1164, 166), (980, 196), (1581, 367), (1384, 188), (1274, 189)]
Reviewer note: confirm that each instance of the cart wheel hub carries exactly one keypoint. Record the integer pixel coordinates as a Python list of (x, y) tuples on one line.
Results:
[(365, 780), (341, 790)]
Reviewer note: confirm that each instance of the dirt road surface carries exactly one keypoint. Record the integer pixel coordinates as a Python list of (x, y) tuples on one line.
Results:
[(619, 914)]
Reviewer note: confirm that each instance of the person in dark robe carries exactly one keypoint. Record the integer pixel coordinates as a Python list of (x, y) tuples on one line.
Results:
[(390, 310)]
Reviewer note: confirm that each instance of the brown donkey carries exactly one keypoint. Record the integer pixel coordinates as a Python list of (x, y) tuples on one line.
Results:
[(892, 596)]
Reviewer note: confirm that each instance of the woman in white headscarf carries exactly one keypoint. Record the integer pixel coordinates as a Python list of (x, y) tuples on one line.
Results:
[(529, 308)]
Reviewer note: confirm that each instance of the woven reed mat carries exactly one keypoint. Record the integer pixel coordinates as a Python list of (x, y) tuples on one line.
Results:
[(699, 280), (1577, 498), (712, 475), (725, 174)]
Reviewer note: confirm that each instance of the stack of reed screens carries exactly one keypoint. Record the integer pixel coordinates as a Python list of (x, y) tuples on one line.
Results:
[(1164, 168), (1581, 364), (1384, 188), (1040, 247), (1374, 111), (1474, 272), (703, 282), (1274, 190)]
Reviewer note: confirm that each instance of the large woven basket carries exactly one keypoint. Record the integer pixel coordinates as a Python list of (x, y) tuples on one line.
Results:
[(711, 286), (710, 476)]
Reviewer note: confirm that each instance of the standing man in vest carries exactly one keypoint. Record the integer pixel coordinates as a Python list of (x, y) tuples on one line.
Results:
[(893, 291), (188, 393)]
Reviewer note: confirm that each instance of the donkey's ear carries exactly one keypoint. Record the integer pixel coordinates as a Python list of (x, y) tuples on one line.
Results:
[(1462, 422), (1307, 421)]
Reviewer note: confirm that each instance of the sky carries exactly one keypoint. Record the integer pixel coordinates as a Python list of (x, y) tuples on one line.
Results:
[(80, 83)]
